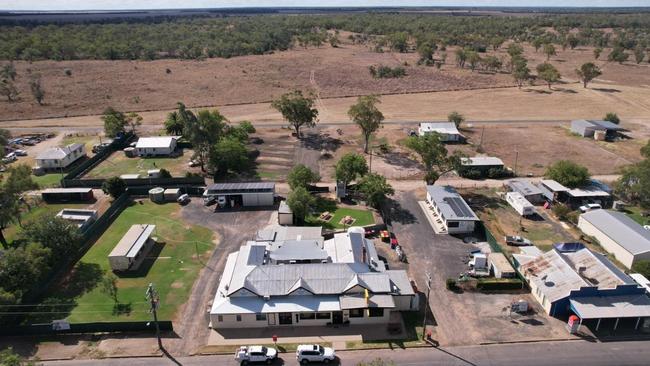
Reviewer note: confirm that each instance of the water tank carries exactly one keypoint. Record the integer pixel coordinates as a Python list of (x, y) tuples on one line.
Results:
[(157, 195), (600, 135)]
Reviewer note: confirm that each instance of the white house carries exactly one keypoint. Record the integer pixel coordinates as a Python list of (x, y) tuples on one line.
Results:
[(447, 130), (618, 234), (451, 209), (520, 204), (310, 283), (156, 146), (60, 157)]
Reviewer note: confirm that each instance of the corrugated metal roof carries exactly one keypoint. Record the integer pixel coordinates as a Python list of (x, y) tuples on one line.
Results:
[(286, 304), (451, 204), (500, 261), (621, 228), (609, 307), (481, 161), (607, 125), (58, 152), (553, 185), (241, 186), (132, 241), (446, 128), (358, 301), (297, 250), (160, 142), (524, 187), (67, 190)]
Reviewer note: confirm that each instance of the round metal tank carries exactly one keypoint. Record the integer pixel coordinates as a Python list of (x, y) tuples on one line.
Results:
[(157, 195)]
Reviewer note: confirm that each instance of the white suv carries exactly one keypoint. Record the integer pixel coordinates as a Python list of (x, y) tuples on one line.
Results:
[(306, 353)]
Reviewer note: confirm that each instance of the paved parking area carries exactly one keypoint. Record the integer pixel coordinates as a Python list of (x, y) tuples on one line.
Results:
[(470, 317)]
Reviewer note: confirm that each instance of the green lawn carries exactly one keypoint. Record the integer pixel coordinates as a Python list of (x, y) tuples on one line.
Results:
[(635, 214), (363, 216), (118, 164), (48, 180), (172, 266)]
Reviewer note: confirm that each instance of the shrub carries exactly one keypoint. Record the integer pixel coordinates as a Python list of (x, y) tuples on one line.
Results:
[(561, 211), (499, 284), (451, 284), (68, 72), (386, 72)]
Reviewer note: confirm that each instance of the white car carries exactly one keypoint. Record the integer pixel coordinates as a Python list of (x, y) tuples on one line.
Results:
[(306, 353), (183, 199), (20, 152), (589, 207), (254, 354)]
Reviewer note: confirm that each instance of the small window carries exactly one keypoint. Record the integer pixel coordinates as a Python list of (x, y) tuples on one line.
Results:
[(453, 224), (356, 313), (238, 317), (376, 312), (307, 316), (260, 317), (220, 318), (323, 316)]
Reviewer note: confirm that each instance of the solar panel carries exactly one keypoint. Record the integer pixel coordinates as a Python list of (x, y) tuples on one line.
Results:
[(459, 207)]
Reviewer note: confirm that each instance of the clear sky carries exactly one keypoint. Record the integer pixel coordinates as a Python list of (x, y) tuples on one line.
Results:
[(171, 4)]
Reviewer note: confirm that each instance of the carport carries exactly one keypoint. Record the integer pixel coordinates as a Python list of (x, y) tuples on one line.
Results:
[(629, 309)]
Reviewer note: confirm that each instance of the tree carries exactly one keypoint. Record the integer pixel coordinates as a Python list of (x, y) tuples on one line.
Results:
[(301, 176), (588, 72), (109, 286), (399, 42), (473, 59), (572, 41), (492, 63), (461, 57), (639, 54), (618, 54), (8, 89), (597, 52), (297, 109), (5, 136), (634, 184), (426, 50), (173, 124), (497, 42), (434, 156), (300, 202), (229, 155), (642, 267), (375, 189), (114, 187), (350, 167), (204, 132), (367, 116), (37, 89), (645, 150), (549, 50), (521, 72), (22, 267), (568, 174), (8, 72), (537, 44), (114, 122), (164, 173), (612, 117), (134, 121), (9, 211), (515, 49), (456, 117), (20, 179), (61, 236), (548, 73)]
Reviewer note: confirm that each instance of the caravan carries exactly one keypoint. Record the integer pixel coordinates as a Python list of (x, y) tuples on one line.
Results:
[(520, 204)]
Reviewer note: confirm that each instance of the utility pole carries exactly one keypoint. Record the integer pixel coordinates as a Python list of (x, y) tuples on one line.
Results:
[(152, 296), (516, 160), (426, 305)]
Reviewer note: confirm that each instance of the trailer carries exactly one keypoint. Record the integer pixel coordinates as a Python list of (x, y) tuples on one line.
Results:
[(520, 204)]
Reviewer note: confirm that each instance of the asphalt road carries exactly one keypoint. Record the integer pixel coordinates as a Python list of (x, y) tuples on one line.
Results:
[(573, 353)]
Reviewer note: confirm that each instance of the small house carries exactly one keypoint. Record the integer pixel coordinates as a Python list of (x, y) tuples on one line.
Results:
[(81, 218), (500, 267), (67, 194), (447, 131), (594, 192), (156, 146), (131, 250), (60, 157), (451, 210), (243, 194)]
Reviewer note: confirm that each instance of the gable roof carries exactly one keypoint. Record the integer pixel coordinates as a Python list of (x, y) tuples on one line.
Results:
[(451, 204), (481, 161), (58, 152), (160, 142), (621, 228), (446, 128)]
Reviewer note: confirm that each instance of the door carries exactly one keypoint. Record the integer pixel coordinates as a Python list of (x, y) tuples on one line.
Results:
[(337, 317), (285, 318), (271, 319)]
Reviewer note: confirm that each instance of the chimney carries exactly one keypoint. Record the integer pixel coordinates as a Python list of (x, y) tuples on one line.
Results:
[(363, 254)]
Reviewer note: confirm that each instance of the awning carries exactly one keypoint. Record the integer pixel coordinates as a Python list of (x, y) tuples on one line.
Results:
[(608, 307), (288, 304), (358, 301)]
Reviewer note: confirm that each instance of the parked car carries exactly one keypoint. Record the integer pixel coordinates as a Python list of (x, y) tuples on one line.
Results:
[(254, 354), (306, 353), (209, 200), (517, 241), (193, 163), (589, 207), (9, 158), (20, 152), (183, 199)]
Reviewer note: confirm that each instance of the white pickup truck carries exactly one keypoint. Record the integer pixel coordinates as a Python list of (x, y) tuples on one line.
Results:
[(255, 354)]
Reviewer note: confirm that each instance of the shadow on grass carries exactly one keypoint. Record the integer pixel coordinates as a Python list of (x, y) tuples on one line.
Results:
[(146, 264), (83, 278), (122, 309)]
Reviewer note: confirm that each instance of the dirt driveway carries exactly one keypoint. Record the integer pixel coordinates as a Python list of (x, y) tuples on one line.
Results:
[(233, 229), (466, 318)]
